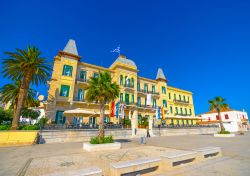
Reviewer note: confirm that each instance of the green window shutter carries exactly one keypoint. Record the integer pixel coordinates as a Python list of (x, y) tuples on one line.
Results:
[(145, 87), (164, 102), (190, 111), (121, 97), (64, 92), (138, 86), (169, 96), (181, 111), (133, 98), (83, 75), (186, 111), (175, 96), (59, 117), (121, 80), (176, 110), (163, 90), (153, 89), (67, 70), (139, 101), (132, 82), (171, 109)]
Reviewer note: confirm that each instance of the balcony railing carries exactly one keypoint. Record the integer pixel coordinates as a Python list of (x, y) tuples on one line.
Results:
[(182, 114), (83, 80), (181, 101), (78, 99), (128, 103)]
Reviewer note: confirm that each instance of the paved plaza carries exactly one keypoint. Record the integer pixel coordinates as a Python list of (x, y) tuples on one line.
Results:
[(48, 158)]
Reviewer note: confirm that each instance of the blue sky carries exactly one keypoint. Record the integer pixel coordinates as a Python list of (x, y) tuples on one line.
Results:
[(203, 46)]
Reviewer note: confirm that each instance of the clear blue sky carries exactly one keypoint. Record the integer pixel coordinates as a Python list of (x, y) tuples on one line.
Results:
[(203, 46)]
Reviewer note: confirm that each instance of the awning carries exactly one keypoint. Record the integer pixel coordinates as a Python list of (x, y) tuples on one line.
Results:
[(82, 112)]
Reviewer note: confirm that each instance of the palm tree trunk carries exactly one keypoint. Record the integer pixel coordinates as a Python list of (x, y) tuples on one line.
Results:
[(222, 128), (101, 122), (21, 100)]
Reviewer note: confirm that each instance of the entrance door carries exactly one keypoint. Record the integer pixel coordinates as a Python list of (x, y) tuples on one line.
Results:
[(92, 122), (127, 98)]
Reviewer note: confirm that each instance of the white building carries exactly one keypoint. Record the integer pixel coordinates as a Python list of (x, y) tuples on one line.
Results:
[(233, 120)]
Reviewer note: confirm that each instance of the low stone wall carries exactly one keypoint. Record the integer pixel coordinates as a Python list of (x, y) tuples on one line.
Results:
[(12, 138), (57, 136)]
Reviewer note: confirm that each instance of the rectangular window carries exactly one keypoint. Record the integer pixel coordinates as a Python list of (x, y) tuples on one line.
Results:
[(139, 101), (176, 110), (146, 88), (127, 98), (138, 86), (133, 98), (163, 89), (179, 97), (226, 116), (121, 80), (83, 76), (188, 99), (217, 117), (67, 70), (64, 92), (153, 89), (154, 103), (174, 96), (181, 111), (186, 111), (171, 110), (164, 103), (169, 96), (184, 98), (96, 75), (121, 97), (190, 111)]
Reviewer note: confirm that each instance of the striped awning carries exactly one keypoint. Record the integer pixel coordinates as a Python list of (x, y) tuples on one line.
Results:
[(82, 112)]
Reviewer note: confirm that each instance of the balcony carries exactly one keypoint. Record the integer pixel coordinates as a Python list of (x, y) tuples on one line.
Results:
[(129, 103), (142, 92), (182, 114), (76, 99), (128, 87), (83, 81), (181, 101)]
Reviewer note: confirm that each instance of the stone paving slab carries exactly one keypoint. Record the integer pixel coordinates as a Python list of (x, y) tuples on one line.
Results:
[(53, 164)]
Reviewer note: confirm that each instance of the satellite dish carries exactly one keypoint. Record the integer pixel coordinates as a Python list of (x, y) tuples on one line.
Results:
[(41, 97)]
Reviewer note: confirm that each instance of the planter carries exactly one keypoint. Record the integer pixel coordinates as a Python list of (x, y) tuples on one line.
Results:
[(101, 147), (224, 135)]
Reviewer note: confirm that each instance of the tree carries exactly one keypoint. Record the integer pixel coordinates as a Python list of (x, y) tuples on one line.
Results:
[(102, 90), (30, 114), (10, 94), (218, 103), (6, 115), (29, 67)]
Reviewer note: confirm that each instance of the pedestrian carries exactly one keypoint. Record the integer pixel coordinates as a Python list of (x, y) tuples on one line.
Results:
[(148, 134)]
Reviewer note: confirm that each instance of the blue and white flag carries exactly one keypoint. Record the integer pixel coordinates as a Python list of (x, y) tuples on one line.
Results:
[(117, 106), (158, 112)]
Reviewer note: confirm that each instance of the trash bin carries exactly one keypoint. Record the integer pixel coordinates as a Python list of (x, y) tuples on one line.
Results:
[(143, 140)]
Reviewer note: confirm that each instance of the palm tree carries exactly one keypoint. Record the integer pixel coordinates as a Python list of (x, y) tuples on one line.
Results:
[(102, 90), (29, 67), (218, 103), (10, 94)]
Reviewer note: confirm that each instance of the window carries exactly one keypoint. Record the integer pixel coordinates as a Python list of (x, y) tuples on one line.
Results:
[(154, 103), (153, 89), (169, 96), (188, 99), (163, 89), (190, 111), (67, 70), (80, 95), (179, 97), (226, 116), (132, 82), (139, 101), (133, 98), (60, 119), (64, 92), (121, 80), (146, 88), (96, 75), (176, 110), (138, 86), (187, 122), (181, 111), (127, 98), (217, 117), (164, 103), (83, 76), (121, 97), (184, 98), (186, 111), (174, 96), (171, 110)]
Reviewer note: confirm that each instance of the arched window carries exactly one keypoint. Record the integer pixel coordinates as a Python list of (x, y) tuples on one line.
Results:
[(121, 80), (80, 95)]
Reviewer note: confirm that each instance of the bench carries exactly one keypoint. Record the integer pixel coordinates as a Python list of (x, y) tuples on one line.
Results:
[(208, 152), (177, 158), (91, 171), (125, 167)]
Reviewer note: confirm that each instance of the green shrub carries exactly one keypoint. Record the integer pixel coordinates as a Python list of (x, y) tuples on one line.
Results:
[(28, 127), (224, 132), (5, 127), (104, 140)]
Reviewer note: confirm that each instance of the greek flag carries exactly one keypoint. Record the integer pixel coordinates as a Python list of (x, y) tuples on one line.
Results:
[(116, 50)]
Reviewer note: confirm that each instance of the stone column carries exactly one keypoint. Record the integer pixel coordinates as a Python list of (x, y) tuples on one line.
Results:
[(150, 125), (134, 122)]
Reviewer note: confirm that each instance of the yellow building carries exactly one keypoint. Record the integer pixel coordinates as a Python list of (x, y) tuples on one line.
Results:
[(70, 77)]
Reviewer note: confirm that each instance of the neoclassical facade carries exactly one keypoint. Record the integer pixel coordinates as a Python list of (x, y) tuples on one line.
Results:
[(70, 77)]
